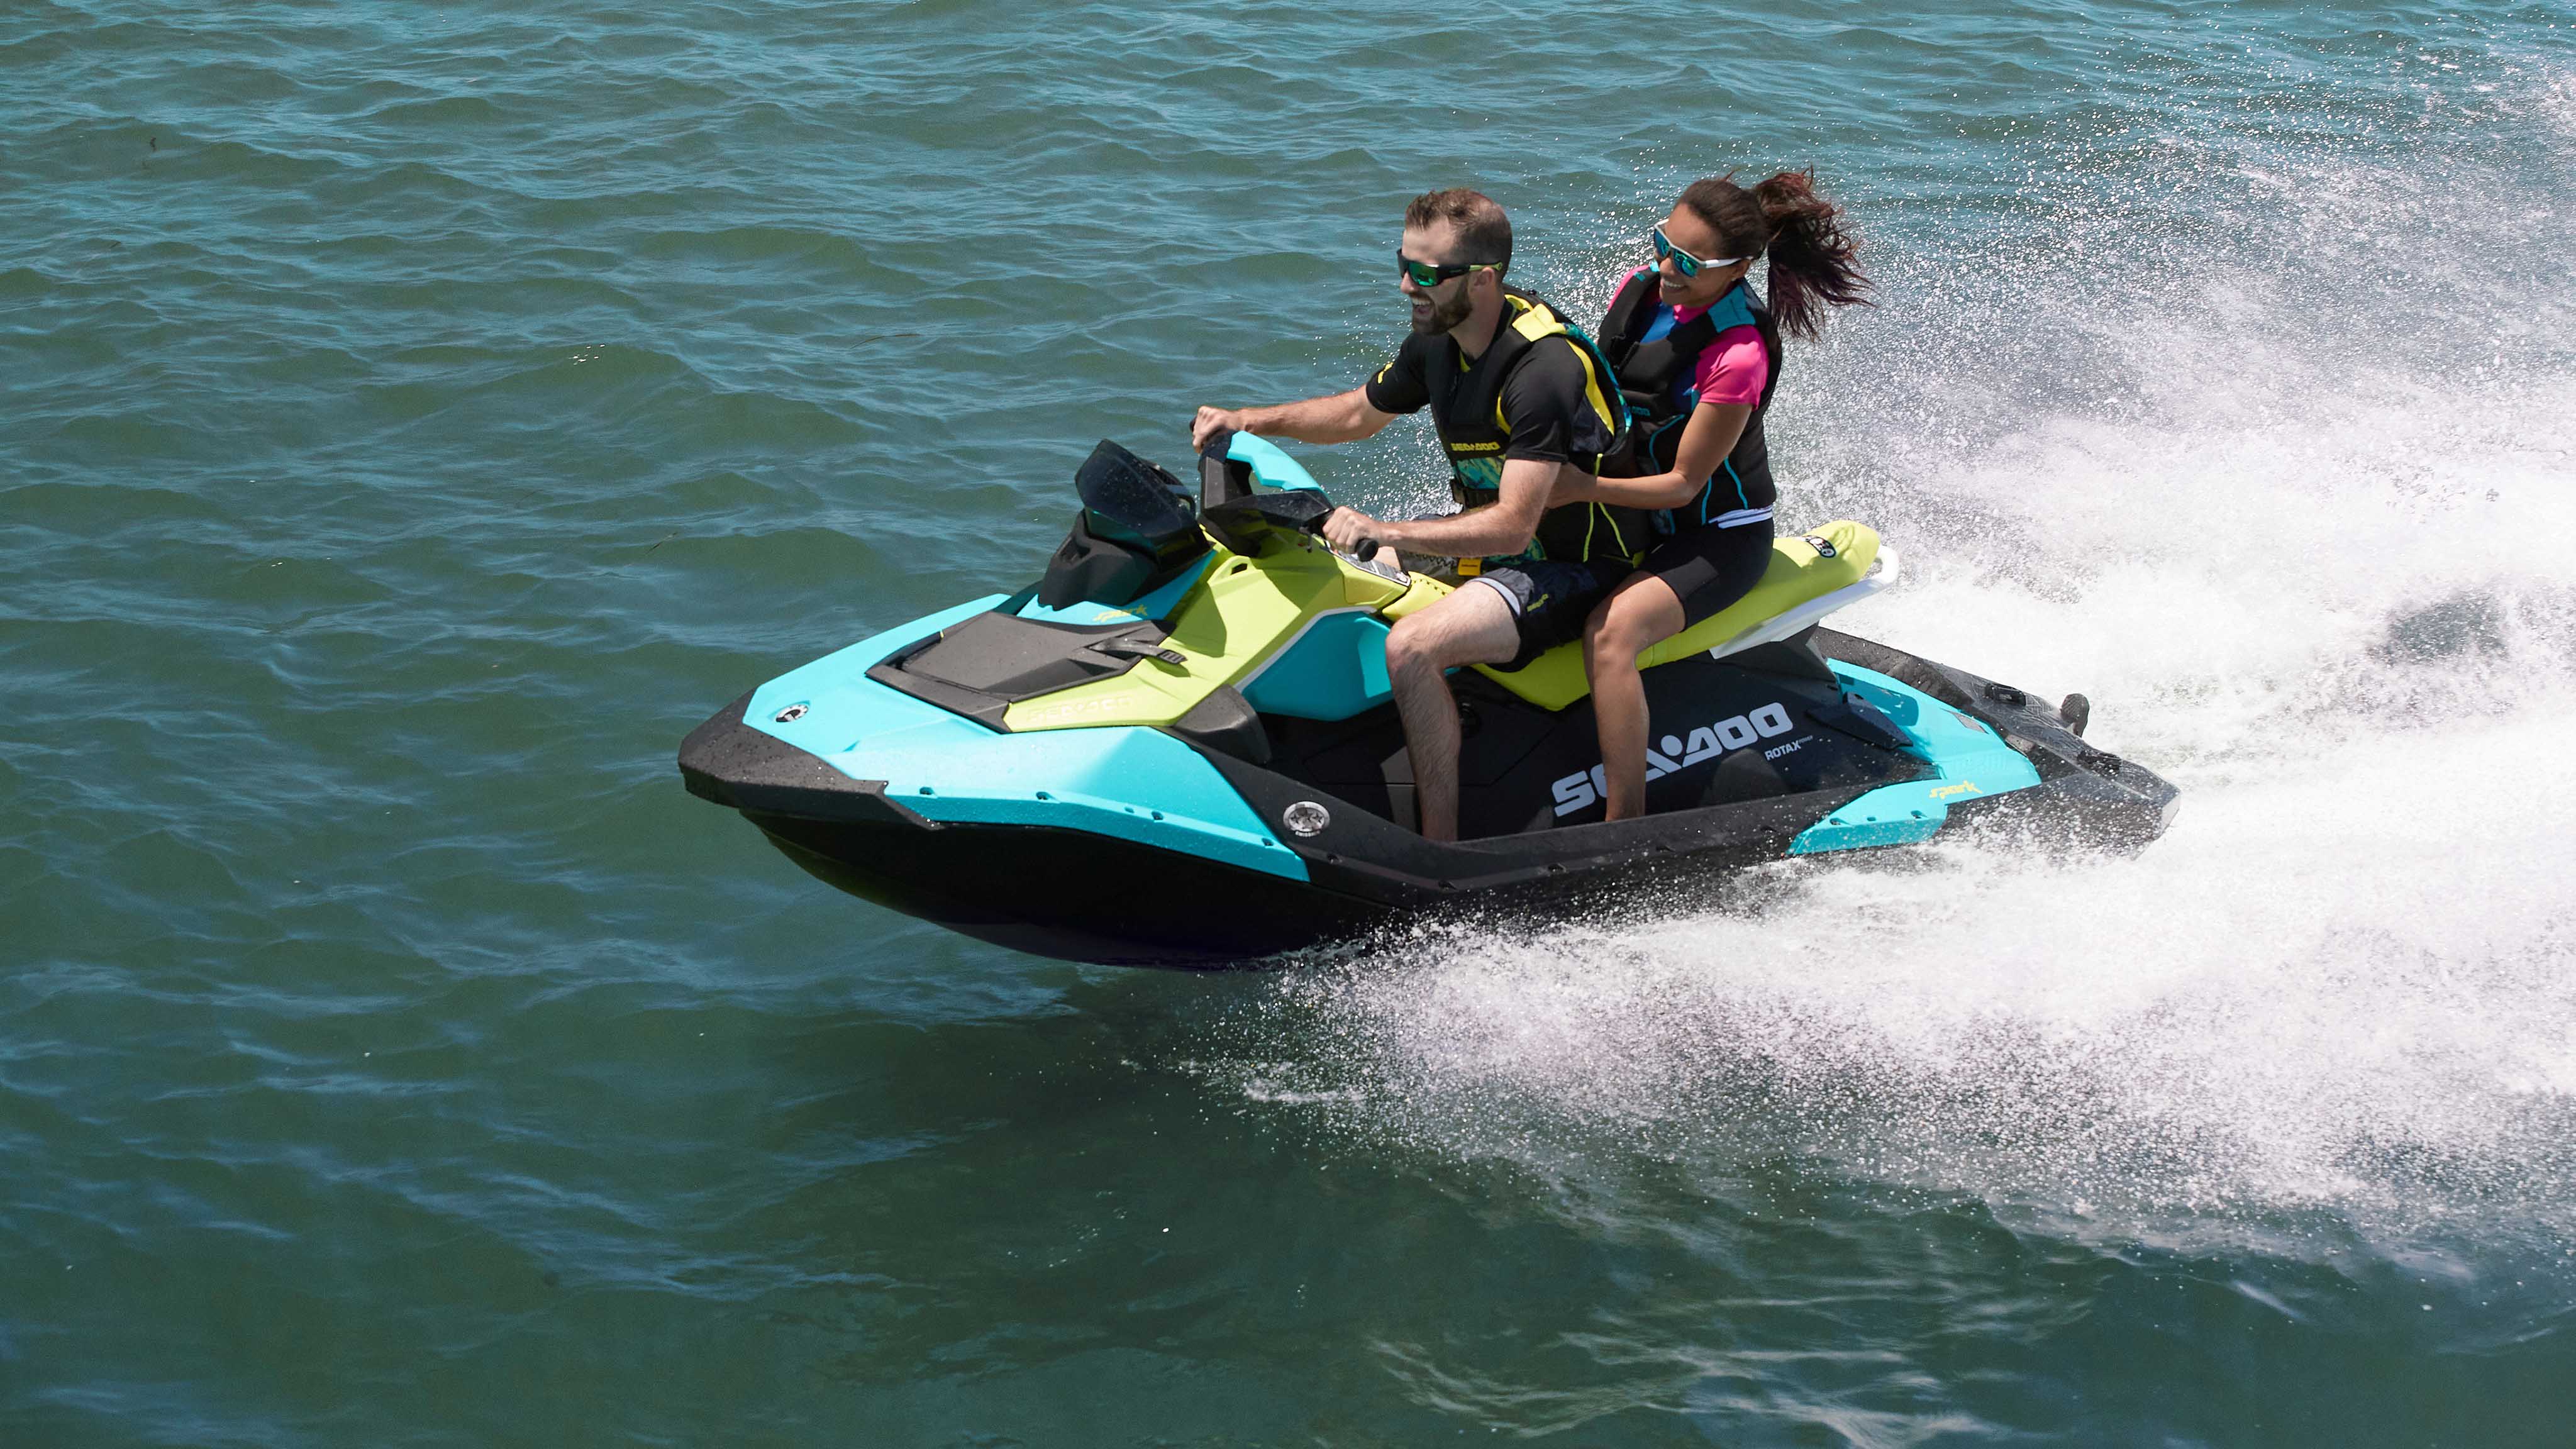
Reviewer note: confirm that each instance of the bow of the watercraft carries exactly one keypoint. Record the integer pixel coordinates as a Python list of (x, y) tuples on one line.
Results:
[(1117, 844)]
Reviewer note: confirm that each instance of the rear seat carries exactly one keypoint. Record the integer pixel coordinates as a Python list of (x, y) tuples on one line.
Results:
[(1801, 573)]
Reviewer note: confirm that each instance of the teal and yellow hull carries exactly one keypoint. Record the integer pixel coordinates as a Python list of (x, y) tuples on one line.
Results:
[(1213, 773), (1129, 844)]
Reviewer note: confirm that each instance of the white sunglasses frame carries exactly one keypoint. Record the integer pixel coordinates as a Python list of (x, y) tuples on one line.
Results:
[(1665, 246)]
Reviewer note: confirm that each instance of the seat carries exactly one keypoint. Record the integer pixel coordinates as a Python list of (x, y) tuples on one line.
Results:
[(1803, 584)]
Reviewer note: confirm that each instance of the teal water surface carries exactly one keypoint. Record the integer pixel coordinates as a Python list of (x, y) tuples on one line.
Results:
[(417, 417)]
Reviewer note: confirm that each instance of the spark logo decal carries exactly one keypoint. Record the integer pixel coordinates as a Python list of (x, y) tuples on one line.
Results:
[(1075, 708), (1707, 742), (1964, 787)]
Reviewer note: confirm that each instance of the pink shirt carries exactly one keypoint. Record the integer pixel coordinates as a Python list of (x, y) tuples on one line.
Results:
[(1734, 367)]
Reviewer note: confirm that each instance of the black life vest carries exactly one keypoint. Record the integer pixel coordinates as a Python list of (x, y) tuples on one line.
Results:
[(1655, 379), (1467, 410)]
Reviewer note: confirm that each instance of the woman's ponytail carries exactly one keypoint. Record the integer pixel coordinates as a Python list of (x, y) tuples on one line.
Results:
[(1815, 261)]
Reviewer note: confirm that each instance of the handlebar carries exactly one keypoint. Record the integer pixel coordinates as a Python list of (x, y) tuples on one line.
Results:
[(1364, 556), (1363, 553), (1224, 482)]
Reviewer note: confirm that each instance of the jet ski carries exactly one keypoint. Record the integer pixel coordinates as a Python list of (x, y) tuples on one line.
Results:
[(1177, 748)]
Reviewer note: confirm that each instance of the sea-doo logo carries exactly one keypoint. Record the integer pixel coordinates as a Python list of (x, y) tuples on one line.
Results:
[(1823, 546), (1583, 787)]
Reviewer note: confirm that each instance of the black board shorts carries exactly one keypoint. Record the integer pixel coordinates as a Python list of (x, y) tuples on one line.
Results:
[(1710, 568), (1550, 599)]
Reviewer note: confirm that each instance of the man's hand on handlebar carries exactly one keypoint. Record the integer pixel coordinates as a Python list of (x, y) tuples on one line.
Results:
[(1212, 421), (1350, 531)]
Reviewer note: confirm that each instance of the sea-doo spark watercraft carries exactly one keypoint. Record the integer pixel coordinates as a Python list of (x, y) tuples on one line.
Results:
[(1177, 748)]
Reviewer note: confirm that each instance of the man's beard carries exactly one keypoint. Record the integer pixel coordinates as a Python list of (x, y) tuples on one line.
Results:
[(1444, 314)]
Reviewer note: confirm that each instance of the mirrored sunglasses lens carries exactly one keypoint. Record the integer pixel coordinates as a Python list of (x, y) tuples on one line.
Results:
[(1683, 262)]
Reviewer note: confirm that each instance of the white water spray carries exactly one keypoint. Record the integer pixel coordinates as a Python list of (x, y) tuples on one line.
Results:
[(2284, 477)]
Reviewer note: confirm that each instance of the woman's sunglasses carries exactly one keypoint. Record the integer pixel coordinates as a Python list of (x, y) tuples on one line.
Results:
[(1425, 274), (1684, 262)]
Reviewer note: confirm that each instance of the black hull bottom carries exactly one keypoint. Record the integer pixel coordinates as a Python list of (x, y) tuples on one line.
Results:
[(1081, 897), (1071, 894)]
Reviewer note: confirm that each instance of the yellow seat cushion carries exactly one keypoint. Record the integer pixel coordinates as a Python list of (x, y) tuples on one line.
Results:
[(1798, 573)]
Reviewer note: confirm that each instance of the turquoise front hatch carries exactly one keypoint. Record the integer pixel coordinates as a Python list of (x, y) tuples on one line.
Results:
[(1969, 761), (1128, 782)]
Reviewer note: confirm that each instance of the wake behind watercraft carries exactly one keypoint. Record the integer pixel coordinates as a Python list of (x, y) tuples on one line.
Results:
[(1178, 747)]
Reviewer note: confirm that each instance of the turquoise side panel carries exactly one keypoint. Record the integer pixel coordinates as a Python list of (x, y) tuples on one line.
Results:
[(1270, 466), (1969, 758), (1134, 784), (1153, 606), (1334, 670)]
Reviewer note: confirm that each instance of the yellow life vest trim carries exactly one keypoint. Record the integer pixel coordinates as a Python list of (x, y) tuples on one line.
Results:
[(1592, 394)]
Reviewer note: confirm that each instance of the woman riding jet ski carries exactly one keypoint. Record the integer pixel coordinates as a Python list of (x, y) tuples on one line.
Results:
[(1177, 748), (1696, 352)]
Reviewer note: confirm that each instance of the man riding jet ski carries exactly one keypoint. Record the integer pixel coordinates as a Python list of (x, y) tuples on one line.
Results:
[(1525, 407), (1179, 747)]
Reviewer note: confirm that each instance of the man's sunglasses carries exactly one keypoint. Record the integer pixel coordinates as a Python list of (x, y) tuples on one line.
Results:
[(1424, 274), (1684, 262)]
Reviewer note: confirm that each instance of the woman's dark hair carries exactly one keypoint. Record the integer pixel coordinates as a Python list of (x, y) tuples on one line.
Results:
[(1815, 261)]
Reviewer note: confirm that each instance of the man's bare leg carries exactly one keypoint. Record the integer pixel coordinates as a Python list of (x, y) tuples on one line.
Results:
[(1472, 626)]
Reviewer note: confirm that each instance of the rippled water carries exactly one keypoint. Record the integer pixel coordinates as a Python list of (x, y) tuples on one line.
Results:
[(417, 418)]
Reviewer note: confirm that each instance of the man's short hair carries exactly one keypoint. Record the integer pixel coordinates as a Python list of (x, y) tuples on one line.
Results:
[(1482, 228)]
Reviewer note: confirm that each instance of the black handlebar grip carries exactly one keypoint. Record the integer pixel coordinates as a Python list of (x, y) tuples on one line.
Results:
[(1366, 548), (1217, 444)]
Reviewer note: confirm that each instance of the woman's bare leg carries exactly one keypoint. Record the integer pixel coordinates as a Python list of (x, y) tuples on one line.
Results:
[(1641, 611)]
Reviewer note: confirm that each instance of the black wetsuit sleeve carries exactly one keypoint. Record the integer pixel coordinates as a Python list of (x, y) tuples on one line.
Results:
[(1401, 386), (1547, 402)]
